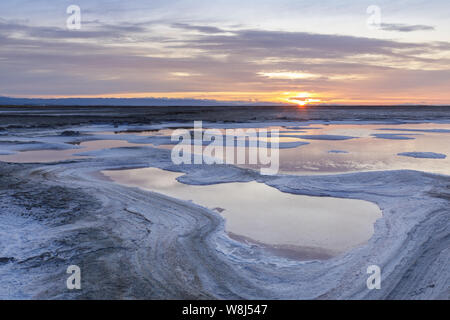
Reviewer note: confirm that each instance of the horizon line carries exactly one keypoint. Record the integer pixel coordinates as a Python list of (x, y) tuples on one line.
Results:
[(214, 102)]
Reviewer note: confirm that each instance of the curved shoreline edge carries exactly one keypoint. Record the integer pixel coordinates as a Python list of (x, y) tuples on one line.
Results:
[(134, 244)]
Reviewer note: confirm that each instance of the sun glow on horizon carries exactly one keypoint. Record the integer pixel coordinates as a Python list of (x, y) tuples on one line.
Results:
[(301, 98), (298, 98)]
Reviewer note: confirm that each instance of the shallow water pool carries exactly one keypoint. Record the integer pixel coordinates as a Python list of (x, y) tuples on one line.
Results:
[(316, 227)]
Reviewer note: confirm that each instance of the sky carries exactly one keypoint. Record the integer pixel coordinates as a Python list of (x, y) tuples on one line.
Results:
[(284, 51)]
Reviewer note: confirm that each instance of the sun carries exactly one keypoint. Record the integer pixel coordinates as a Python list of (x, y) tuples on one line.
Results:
[(300, 103), (301, 98)]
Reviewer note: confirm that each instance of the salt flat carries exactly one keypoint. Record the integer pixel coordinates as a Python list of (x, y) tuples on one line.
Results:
[(137, 244)]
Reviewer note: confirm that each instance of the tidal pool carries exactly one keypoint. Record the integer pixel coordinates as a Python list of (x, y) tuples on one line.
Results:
[(294, 225), (43, 156), (374, 147)]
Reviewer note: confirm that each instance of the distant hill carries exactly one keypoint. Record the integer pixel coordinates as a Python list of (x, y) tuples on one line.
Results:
[(132, 102)]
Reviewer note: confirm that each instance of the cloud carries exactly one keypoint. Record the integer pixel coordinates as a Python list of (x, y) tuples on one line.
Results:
[(399, 27), (154, 57), (290, 75), (263, 43), (202, 29), (90, 30)]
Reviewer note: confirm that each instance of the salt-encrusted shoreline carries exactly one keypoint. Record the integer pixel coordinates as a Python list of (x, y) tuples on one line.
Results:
[(135, 244)]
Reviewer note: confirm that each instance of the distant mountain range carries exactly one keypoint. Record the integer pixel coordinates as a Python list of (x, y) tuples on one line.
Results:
[(132, 102)]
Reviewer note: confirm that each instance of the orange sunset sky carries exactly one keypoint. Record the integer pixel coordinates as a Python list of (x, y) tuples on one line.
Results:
[(298, 52)]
